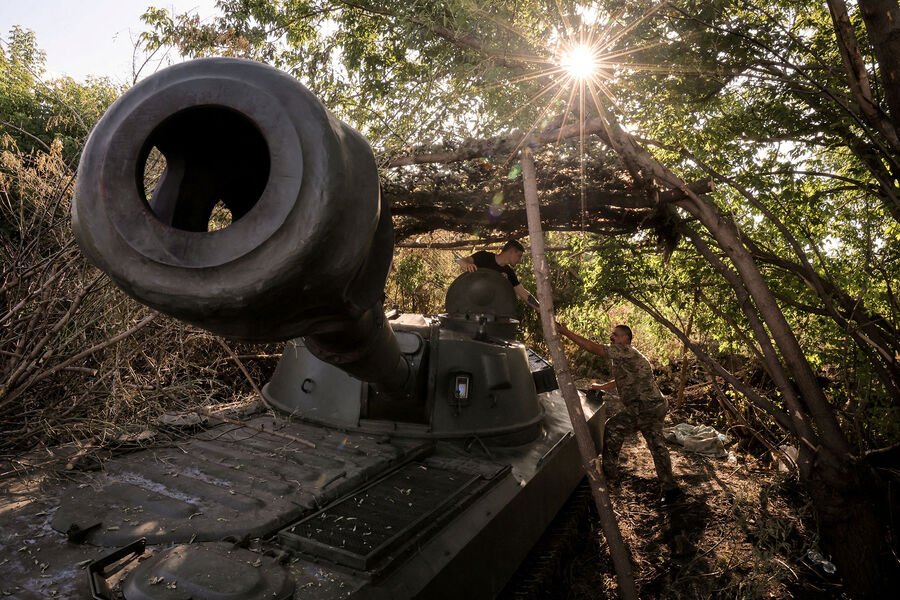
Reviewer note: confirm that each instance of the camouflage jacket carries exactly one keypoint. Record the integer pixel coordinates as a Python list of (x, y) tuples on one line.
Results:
[(633, 374)]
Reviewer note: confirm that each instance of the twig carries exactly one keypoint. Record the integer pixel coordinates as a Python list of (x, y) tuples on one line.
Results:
[(85, 370), (96, 347), (32, 136), (245, 372), (208, 413)]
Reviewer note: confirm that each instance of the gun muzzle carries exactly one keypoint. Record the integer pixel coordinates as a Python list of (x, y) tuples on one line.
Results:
[(309, 244)]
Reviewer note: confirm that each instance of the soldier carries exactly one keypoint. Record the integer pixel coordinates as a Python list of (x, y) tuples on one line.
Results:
[(645, 406), (503, 262)]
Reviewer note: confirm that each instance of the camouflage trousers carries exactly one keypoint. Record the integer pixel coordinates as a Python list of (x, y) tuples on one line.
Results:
[(646, 417)]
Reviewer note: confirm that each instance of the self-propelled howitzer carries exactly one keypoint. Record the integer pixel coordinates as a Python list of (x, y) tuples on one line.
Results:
[(441, 450)]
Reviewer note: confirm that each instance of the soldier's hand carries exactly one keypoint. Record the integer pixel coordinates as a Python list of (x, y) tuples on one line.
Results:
[(470, 268)]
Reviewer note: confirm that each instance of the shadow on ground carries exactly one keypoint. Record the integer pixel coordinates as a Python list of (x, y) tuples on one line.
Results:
[(740, 532)]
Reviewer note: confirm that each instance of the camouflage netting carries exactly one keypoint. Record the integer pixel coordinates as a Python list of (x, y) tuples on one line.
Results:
[(484, 197)]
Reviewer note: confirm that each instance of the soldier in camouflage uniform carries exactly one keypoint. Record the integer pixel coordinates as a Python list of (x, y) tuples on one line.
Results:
[(644, 405)]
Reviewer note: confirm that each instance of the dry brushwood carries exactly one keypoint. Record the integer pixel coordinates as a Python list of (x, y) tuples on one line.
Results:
[(76, 355)]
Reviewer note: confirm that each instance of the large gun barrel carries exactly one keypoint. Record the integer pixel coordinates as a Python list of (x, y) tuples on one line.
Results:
[(309, 245)]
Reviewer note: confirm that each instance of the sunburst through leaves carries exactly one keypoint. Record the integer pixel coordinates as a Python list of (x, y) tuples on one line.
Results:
[(582, 68)]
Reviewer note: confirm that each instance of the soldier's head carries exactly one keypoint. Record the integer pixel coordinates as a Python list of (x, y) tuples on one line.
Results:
[(511, 253), (621, 334)]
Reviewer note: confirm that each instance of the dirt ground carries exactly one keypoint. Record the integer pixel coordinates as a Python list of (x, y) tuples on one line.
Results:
[(742, 531)]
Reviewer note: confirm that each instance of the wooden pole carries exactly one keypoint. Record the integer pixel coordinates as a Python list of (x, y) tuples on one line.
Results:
[(617, 549)]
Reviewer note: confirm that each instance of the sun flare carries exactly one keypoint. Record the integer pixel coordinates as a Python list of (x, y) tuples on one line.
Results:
[(589, 56), (579, 61)]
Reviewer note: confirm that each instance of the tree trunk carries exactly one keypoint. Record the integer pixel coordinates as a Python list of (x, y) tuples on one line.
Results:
[(857, 76), (685, 363), (844, 493), (882, 18)]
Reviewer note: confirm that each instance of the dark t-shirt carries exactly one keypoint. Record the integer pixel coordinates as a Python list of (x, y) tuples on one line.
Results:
[(487, 260)]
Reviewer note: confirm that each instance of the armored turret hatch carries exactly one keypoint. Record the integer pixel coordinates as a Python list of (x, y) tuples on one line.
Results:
[(481, 293)]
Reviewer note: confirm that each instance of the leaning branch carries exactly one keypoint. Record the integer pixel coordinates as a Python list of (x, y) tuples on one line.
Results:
[(716, 368), (23, 132), (599, 487)]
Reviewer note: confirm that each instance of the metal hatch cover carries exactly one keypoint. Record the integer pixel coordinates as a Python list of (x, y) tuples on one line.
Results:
[(213, 571), (372, 527)]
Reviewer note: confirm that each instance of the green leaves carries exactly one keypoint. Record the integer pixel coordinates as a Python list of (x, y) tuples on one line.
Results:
[(35, 112), (410, 72)]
